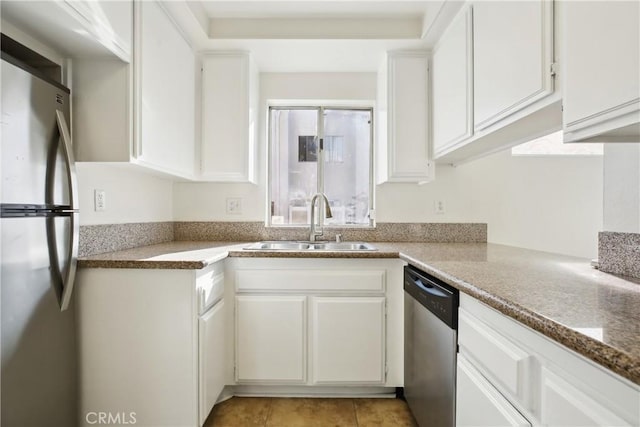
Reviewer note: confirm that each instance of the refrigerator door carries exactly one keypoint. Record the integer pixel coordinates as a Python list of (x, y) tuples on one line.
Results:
[(34, 162), (38, 381)]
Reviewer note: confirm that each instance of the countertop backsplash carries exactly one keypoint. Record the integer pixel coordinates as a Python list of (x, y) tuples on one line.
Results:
[(97, 239), (619, 253)]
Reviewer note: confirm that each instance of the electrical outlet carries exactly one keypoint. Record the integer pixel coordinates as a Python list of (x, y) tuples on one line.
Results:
[(99, 200), (439, 207), (234, 205)]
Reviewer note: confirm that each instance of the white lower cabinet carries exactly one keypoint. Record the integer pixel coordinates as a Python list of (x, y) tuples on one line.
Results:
[(318, 322), (565, 405), (479, 403), (149, 345), (348, 340), (510, 375), (271, 339), (211, 329)]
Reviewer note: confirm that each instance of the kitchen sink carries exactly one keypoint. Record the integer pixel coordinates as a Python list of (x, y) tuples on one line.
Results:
[(311, 246)]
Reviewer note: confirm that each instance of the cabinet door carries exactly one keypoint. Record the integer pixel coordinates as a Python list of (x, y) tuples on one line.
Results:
[(229, 116), (348, 340), (565, 405), (165, 91), (271, 339), (110, 21), (601, 65), (408, 152), (211, 330), (478, 403), (452, 79), (512, 56)]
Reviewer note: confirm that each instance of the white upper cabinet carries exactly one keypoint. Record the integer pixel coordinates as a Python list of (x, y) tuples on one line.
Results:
[(140, 113), (229, 117), (165, 91), (404, 151), (513, 53), (494, 79), (109, 22), (76, 28), (601, 70), (452, 80)]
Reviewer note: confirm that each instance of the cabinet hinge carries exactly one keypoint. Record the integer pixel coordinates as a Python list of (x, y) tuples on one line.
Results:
[(553, 69)]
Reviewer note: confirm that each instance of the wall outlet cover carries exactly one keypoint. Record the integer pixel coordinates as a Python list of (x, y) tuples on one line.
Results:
[(234, 205), (99, 200)]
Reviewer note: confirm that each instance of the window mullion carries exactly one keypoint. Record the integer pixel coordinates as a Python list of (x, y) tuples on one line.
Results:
[(320, 146)]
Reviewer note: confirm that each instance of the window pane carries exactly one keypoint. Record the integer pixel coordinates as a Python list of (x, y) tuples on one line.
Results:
[(347, 163), (295, 175), (294, 165)]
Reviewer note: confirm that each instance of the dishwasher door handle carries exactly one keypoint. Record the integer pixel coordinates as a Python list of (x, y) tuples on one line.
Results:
[(430, 289)]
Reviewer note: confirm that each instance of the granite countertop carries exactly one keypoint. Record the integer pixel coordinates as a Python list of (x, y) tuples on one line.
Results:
[(172, 255), (593, 313)]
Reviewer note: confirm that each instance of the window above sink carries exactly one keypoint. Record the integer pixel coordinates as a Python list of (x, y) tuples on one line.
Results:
[(320, 149)]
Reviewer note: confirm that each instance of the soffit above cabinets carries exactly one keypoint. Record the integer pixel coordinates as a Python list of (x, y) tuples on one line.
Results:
[(312, 36)]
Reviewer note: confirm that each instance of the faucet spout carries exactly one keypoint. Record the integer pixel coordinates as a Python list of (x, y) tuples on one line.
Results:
[(313, 231)]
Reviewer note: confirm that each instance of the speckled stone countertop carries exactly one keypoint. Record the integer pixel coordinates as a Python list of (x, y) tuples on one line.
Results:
[(593, 313), (172, 255)]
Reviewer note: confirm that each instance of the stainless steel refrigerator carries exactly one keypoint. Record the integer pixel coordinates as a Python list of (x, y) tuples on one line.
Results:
[(39, 229)]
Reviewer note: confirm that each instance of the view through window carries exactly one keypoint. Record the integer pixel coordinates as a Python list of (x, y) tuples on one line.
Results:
[(320, 150)]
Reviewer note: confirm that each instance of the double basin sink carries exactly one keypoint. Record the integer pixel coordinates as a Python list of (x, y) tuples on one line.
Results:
[(311, 246)]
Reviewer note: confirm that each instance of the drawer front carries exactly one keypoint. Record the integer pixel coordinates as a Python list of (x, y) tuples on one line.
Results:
[(498, 356), (478, 403), (369, 281), (210, 286), (565, 405)]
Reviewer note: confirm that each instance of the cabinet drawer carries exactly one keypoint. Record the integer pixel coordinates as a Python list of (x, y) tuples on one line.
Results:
[(478, 403), (210, 286), (498, 356), (369, 281), (565, 405)]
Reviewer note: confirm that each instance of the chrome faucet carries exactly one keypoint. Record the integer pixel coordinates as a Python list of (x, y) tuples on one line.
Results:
[(313, 231)]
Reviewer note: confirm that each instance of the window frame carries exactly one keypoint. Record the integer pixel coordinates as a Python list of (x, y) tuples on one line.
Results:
[(321, 106)]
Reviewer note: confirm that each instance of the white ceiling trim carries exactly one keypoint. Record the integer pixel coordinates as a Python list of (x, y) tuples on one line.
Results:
[(316, 28)]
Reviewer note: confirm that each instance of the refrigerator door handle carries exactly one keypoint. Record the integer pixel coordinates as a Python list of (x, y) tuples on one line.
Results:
[(74, 229), (68, 154), (69, 279)]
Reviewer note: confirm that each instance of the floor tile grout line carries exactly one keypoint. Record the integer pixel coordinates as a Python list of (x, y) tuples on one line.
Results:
[(355, 412), (269, 412)]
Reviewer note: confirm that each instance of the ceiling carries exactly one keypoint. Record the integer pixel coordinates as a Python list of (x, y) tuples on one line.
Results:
[(308, 35), (314, 9)]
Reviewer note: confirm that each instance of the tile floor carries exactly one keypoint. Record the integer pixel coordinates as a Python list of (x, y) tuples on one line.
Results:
[(311, 412)]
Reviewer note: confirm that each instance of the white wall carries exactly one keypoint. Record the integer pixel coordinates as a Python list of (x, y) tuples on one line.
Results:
[(550, 203), (622, 187), (131, 195)]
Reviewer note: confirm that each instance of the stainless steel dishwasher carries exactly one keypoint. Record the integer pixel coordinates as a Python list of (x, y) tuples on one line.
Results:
[(430, 348)]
